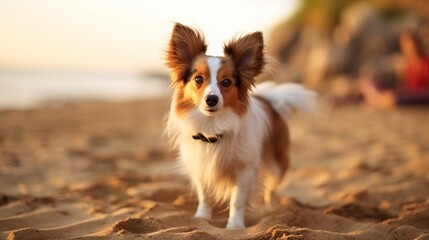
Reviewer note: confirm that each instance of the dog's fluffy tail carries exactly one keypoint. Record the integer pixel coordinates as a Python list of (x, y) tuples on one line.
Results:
[(287, 97)]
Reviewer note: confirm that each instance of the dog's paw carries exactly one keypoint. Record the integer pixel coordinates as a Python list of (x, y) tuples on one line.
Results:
[(203, 211), (204, 215), (234, 224)]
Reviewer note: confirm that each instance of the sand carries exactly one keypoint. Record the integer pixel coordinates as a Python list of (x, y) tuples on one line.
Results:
[(102, 171)]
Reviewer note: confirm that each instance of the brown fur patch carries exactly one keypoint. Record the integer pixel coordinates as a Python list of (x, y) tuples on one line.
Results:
[(235, 96), (182, 103), (189, 93), (276, 145)]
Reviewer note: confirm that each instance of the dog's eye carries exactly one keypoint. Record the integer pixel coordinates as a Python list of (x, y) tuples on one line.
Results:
[(226, 82), (199, 80)]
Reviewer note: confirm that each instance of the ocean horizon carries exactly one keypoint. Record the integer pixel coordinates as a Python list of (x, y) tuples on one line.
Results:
[(25, 90)]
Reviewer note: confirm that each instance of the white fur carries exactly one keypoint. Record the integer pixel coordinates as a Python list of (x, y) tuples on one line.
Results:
[(213, 87), (242, 144), (287, 96)]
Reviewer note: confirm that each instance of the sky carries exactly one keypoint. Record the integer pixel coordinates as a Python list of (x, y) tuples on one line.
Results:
[(120, 35)]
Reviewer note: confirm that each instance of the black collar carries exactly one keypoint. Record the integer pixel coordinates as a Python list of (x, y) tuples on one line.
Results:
[(200, 136)]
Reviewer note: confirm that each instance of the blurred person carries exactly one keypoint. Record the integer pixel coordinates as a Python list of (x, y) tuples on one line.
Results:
[(414, 89)]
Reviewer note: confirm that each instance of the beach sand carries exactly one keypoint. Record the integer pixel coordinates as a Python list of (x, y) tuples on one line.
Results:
[(100, 170)]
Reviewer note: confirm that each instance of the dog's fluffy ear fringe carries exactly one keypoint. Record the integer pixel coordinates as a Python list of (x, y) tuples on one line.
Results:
[(185, 45), (247, 53)]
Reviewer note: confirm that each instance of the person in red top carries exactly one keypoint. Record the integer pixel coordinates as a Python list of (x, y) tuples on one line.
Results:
[(417, 68), (415, 87)]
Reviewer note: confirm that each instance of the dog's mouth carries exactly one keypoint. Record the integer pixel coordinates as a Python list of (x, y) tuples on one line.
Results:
[(210, 111)]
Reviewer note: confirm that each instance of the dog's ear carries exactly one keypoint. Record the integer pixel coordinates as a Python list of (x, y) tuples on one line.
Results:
[(247, 53), (185, 45)]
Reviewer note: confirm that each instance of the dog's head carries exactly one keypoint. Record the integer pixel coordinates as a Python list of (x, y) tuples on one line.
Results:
[(213, 84)]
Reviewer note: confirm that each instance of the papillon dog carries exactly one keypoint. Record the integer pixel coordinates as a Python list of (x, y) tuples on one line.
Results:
[(231, 136)]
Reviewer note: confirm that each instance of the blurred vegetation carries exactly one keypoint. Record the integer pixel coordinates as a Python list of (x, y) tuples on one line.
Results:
[(325, 15)]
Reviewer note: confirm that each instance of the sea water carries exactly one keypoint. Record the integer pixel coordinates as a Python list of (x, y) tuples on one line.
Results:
[(21, 90)]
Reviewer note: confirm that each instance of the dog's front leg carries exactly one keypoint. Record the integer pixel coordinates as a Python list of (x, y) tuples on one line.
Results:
[(204, 209), (239, 196)]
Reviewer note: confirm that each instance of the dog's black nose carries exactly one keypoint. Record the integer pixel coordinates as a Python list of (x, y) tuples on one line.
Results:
[(212, 100)]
